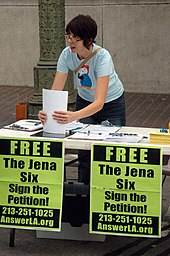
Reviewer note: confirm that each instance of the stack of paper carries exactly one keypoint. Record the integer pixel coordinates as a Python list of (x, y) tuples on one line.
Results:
[(54, 100), (160, 137)]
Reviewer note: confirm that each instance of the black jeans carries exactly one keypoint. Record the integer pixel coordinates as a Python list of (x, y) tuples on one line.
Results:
[(113, 111)]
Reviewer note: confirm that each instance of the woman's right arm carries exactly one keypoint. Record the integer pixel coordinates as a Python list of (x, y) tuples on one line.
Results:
[(58, 84), (59, 81)]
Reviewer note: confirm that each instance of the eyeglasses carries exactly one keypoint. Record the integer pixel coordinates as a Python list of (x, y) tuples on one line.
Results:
[(72, 38)]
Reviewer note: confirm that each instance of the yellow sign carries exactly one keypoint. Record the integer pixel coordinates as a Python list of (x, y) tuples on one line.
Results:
[(31, 183), (125, 194)]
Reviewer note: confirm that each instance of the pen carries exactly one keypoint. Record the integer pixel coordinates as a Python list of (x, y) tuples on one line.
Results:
[(74, 129), (93, 133)]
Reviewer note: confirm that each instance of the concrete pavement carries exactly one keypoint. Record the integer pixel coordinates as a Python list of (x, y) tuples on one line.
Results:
[(142, 110)]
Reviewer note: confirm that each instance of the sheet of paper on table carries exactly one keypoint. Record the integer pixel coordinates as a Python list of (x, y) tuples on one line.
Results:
[(124, 137), (101, 128), (88, 136), (75, 126), (94, 132)]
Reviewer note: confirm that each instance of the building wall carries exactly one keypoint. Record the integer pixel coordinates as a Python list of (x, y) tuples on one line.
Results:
[(135, 32), (19, 41)]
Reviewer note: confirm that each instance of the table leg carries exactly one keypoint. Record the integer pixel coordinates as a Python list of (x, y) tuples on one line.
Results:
[(12, 237)]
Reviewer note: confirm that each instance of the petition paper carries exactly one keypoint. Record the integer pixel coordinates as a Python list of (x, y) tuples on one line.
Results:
[(54, 100)]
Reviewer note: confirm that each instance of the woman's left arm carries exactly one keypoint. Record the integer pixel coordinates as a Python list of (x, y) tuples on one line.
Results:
[(94, 107)]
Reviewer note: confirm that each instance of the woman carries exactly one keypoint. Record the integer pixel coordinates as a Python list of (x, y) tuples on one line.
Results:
[(100, 94)]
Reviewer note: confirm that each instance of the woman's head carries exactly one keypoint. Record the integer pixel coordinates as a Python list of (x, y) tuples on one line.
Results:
[(84, 28)]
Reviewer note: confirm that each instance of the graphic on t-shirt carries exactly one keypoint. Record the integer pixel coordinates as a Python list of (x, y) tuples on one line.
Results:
[(85, 80)]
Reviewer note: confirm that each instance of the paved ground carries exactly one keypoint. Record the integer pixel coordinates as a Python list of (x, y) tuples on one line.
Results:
[(145, 110)]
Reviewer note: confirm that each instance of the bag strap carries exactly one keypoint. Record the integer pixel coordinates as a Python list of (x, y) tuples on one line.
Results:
[(85, 60)]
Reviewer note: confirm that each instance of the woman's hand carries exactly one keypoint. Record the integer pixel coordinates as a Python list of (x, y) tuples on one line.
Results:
[(64, 117), (42, 116)]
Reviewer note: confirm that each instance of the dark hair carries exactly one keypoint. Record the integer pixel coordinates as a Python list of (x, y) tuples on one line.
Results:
[(84, 27)]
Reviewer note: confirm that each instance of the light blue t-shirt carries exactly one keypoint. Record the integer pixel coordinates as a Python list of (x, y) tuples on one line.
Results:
[(99, 65)]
